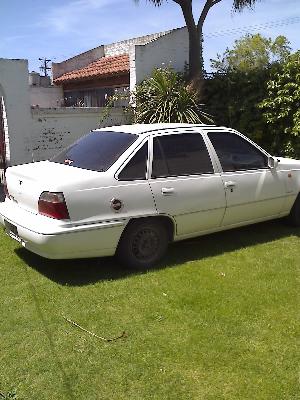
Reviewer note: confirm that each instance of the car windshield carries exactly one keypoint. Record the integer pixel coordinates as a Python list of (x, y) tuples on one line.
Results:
[(96, 151)]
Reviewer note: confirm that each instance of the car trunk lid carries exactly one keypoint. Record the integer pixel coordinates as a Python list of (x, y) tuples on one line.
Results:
[(26, 182)]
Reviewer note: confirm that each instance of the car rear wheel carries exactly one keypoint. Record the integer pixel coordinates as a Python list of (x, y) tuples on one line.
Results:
[(294, 217), (143, 244)]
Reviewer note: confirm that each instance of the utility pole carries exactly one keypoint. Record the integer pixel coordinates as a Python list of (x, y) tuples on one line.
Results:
[(44, 67)]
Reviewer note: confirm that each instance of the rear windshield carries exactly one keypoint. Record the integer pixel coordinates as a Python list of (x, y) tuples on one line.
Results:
[(96, 151)]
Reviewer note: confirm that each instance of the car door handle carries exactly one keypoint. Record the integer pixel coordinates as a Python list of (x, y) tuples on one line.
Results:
[(167, 191), (229, 184)]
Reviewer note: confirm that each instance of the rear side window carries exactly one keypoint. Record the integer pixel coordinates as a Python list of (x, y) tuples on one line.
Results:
[(184, 154), (96, 151), (236, 153), (136, 168)]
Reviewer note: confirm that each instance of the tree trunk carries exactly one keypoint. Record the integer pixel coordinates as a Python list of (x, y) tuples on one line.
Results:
[(195, 67), (195, 48), (195, 54)]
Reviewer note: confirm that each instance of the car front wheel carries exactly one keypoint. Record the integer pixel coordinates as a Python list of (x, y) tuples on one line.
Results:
[(143, 244)]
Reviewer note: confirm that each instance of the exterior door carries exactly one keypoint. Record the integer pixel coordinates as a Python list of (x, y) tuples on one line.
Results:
[(253, 190), (184, 184)]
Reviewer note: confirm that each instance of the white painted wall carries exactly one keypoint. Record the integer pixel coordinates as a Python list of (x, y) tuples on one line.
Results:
[(46, 97), (15, 91), (169, 50), (54, 129)]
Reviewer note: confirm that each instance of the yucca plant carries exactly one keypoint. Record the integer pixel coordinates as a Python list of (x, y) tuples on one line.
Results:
[(164, 97)]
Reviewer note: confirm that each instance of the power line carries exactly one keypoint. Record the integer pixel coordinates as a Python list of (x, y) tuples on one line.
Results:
[(247, 28), (240, 30)]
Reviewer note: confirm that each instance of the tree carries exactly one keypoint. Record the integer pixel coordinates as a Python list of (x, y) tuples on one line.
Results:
[(233, 93), (252, 52), (195, 30), (281, 107)]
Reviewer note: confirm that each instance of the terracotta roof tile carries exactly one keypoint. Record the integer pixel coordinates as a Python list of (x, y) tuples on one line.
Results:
[(104, 67)]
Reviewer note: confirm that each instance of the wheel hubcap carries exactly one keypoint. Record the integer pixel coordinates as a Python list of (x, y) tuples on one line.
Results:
[(145, 244)]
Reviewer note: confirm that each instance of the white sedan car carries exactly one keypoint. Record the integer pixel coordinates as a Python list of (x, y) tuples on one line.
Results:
[(130, 190)]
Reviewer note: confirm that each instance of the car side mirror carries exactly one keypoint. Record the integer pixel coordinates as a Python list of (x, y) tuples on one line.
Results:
[(272, 162)]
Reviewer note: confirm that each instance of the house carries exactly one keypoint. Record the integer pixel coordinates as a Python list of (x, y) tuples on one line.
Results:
[(35, 125), (88, 79)]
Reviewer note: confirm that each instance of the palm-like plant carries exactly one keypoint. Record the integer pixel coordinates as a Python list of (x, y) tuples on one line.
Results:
[(195, 29), (164, 98)]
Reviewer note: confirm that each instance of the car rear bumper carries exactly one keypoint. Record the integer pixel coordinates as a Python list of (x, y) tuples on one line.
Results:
[(50, 239)]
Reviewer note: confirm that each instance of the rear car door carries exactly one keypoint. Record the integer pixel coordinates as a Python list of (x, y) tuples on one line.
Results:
[(184, 183), (253, 190), (132, 196)]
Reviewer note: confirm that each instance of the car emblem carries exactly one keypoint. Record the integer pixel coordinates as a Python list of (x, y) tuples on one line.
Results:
[(20, 182), (116, 204)]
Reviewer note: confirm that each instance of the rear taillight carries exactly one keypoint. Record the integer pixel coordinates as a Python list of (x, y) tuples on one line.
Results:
[(53, 205)]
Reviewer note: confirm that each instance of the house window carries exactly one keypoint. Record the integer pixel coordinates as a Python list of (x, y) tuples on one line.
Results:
[(88, 97)]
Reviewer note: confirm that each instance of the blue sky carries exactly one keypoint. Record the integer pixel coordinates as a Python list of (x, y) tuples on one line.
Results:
[(60, 29)]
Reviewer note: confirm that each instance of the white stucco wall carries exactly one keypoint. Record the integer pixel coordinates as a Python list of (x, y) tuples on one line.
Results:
[(54, 129), (46, 97), (15, 92), (169, 50)]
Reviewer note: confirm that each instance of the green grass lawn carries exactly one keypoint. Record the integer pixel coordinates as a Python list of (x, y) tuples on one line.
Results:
[(219, 319)]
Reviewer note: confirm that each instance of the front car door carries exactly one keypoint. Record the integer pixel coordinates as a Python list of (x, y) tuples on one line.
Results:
[(184, 183), (253, 190)]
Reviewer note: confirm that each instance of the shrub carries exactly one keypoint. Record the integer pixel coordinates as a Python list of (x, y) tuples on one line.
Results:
[(281, 106)]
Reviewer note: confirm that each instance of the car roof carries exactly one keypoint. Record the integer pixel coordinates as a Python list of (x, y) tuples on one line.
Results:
[(144, 129)]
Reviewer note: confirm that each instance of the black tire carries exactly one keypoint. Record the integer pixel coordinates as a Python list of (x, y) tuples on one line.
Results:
[(143, 243), (294, 217)]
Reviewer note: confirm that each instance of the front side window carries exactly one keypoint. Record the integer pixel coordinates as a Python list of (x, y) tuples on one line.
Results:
[(96, 151), (136, 168), (184, 154), (236, 153)]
